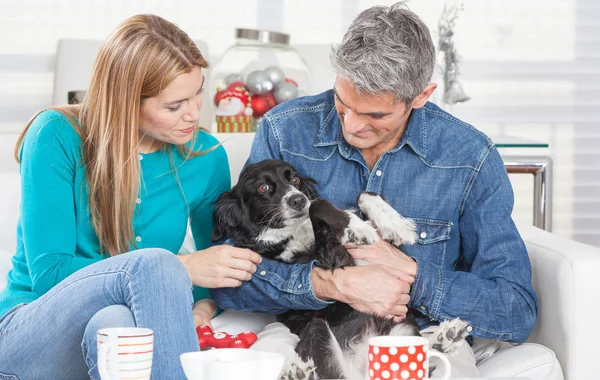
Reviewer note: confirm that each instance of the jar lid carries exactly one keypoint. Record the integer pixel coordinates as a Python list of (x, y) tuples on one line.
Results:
[(266, 36)]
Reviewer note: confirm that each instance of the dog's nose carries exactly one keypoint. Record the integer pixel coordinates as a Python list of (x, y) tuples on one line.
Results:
[(297, 201)]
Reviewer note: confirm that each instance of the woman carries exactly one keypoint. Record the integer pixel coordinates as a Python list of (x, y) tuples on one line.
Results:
[(107, 190)]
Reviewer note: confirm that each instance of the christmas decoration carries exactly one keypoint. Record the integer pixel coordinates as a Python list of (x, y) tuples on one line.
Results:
[(207, 338), (258, 82), (453, 91), (240, 105), (233, 101), (275, 75), (234, 110), (237, 83), (235, 77), (262, 103), (289, 80), (285, 91), (235, 124)]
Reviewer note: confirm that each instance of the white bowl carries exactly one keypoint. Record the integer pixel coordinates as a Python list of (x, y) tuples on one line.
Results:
[(232, 363)]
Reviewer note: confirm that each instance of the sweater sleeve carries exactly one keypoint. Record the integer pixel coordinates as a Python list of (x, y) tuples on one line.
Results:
[(218, 182), (49, 157)]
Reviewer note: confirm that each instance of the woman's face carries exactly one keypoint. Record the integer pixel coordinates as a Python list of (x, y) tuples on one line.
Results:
[(172, 115)]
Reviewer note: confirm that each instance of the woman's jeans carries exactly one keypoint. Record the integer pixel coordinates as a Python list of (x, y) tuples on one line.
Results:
[(54, 337)]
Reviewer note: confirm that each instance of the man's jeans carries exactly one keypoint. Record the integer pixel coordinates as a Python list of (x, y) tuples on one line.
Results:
[(54, 337)]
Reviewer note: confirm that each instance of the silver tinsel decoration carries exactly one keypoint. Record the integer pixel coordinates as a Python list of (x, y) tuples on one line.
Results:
[(453, 91)]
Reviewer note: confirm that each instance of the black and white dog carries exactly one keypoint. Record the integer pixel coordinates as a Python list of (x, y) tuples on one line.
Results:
[(277, 213)]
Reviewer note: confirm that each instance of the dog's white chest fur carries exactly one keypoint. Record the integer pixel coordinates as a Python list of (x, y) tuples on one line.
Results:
[(301, 236)]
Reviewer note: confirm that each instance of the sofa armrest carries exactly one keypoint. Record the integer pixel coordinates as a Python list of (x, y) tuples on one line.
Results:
[(565, 279)]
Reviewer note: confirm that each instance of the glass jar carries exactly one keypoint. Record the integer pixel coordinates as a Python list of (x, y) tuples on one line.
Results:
[(258, 72)]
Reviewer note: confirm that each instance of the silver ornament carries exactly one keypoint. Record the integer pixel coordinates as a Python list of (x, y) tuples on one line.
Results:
[(235, 77), (285, 91), (275, 74), (258, 82)]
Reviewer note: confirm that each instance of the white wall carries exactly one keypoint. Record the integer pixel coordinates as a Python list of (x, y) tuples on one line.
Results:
[(531, 67)]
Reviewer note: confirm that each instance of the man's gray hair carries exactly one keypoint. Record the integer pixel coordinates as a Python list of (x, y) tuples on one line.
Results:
[(386, 50)]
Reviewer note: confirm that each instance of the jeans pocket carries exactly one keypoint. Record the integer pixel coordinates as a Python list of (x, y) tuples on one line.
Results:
[(8, 377)]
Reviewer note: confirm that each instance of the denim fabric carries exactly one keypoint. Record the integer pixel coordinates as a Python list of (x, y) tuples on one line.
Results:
[(110, 316), (448, 177), (45, 338)]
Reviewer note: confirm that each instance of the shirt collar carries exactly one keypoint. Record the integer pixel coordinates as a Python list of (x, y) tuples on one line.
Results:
[(330, 132), (415, 134)]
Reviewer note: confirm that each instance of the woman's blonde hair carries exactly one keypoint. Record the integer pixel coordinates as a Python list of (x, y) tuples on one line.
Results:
[(137, 61)]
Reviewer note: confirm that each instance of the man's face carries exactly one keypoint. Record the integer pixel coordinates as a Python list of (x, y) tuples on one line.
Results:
[(369, 121)]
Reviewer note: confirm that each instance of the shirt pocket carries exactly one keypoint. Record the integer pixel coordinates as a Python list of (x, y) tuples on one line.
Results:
[(432, 238)]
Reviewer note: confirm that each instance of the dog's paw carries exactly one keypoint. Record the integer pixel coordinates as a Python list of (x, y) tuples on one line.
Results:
[(389, 223), (399, 230), (359, 231), (300, 370), (449, 336)]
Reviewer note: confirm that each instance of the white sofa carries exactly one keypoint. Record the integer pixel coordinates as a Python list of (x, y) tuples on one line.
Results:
[(563, 276)]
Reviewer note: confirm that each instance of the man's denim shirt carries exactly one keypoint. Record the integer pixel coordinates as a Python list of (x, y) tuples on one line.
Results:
[(444, 174)]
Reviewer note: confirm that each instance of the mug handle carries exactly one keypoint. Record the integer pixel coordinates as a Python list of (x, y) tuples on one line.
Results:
[(103, 354), (443, 358)]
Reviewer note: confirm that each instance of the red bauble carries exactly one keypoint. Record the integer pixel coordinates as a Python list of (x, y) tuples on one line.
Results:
[(262, 103)]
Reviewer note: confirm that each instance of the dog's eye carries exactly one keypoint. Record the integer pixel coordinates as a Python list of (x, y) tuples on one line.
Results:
[(296, 180), (263, 188)]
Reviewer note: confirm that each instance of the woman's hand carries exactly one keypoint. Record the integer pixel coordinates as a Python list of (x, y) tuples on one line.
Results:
[(204, 310), (220, 266)]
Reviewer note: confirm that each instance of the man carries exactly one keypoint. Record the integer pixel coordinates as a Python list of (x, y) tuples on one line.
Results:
[(376, 131)]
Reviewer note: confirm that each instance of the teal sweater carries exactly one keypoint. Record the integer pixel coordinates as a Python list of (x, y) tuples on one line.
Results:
[(55, 236)]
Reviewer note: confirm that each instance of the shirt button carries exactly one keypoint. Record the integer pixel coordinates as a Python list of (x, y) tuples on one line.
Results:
[(263, 272), (138, 201), (423, 235), (138, 239), (423, 308), (299, 286), (378, 173), (469, 328), (141, 157)]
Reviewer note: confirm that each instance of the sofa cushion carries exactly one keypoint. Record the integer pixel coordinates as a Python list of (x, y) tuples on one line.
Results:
[(529, 360)]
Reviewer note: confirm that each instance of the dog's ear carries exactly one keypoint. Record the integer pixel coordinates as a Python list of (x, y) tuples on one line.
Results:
[(307, 186), (227, 215)]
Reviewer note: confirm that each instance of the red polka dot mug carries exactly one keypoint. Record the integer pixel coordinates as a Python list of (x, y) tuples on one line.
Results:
[(402, 358)]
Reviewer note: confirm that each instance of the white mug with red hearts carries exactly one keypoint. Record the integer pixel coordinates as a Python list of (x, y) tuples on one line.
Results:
[(402, 357)]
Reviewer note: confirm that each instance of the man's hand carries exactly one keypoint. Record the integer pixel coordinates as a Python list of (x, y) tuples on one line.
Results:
[(373, 289), (383, 253)]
